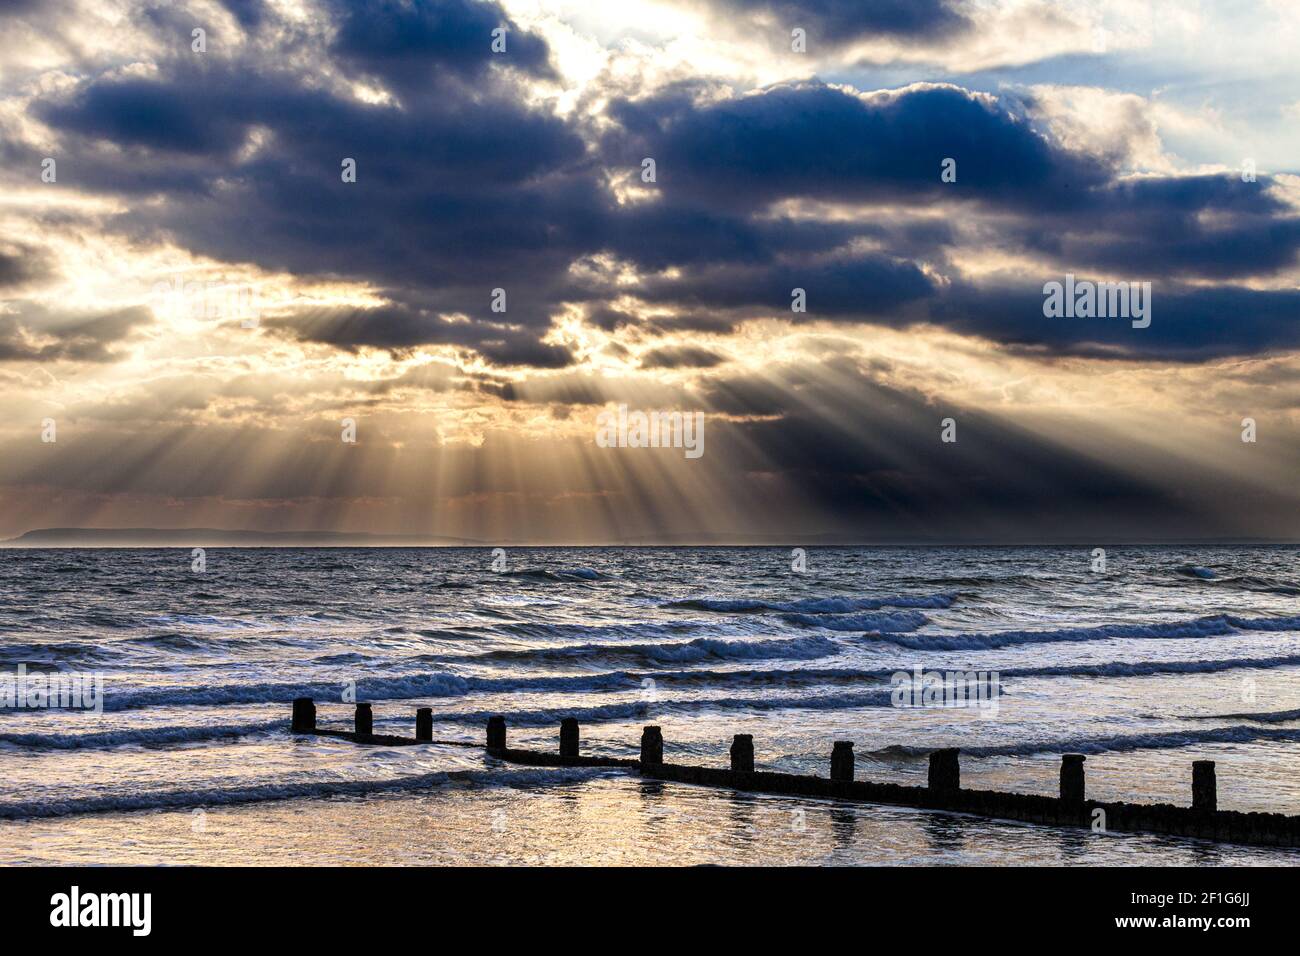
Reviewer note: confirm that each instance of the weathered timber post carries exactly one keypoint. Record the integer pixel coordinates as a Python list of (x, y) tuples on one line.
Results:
[(304, 716), (742, 753), (1072, 788), (496, 733), (945, 770), (365, 719), (652, 747), (842, 760), (569, 737), (1204, 788), (424, 723)]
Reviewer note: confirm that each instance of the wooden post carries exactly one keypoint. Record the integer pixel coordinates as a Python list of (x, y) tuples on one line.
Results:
[(945, 770), (424, 723), (652, 747), (365, 720), (1204, 788), (304, 716), (842, 760), (1072, 789), (496, 733), (742, 753), (569, 737)]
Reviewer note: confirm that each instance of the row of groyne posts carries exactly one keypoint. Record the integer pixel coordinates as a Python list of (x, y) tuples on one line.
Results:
[(1202, 820)]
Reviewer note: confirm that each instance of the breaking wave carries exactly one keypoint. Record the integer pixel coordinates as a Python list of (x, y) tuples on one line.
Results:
[(700, 649), (1215, 626), (1120, 743), (884, 623), (140, 736), (654, 709), (827, 605)]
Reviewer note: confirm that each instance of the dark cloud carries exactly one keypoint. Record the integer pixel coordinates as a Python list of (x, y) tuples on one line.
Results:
[(16, 8), (816, 141), (1188, 323), (412, 44), (21, 264), (658, 235), (609, 319), (526, 350), (459, 190), (400, 329), (463, 187), (685, 356), (856, 287), (146, 113), (837, 22), (37, 335), (249, 13), (811, 141), (1211, 226)]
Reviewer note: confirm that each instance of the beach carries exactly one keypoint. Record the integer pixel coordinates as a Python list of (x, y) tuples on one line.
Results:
[(1167, 656)]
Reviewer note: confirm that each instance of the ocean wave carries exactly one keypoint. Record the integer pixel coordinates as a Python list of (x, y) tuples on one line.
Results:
[(563, 574), (886, 623), (203, 620), (1245, 582), (1124, 743), (793, 677), (1265, 717), (1290, 623), (641, 710), (1265, 584), (1150, 668), (345, 657), (172, 640), (826, 605), (568, 683), (202, 797), (380, 688), (139, 736), (700, 649), (633, 629), (441, 684), (50, 653), (1217, 625), (983, 580)]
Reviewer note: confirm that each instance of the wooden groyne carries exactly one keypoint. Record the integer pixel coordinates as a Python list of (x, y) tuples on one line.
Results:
[(1202, 820)]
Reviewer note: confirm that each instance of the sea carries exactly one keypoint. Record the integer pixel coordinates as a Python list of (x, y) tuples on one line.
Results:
[(1143, 659)]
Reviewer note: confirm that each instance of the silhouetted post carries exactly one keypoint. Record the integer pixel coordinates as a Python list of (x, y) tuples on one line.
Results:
[(569, 737), (742, 753), (1072, 789), (652, 747), (304, 715), (496, 733), (842, 760), (945, 770), (365, 720), (1204, 789), (424, 723)]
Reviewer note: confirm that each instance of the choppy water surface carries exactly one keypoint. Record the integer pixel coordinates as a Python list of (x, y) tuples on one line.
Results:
[(1168, 656)]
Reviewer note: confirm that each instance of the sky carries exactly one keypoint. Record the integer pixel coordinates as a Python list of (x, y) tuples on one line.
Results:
[(381, 266)]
